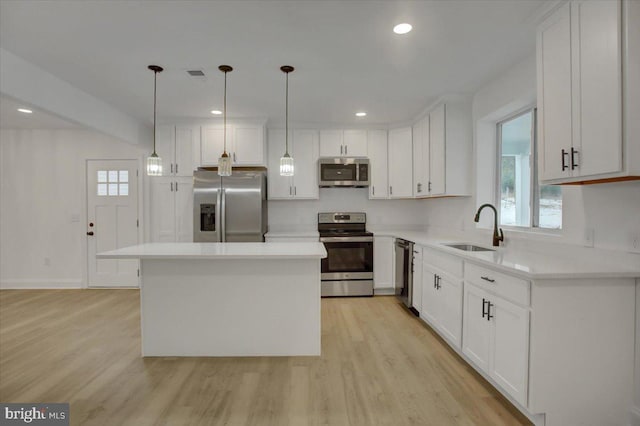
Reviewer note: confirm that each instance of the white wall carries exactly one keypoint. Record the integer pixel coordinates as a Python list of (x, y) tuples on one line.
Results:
[(285, 215), (611, 210), (43, 203)]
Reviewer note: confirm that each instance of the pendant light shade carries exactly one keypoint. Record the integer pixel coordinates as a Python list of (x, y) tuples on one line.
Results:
[(154, 162), (286, 162), (224, 162)]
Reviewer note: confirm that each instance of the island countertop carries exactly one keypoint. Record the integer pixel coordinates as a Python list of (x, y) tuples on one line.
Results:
[(303, 250)]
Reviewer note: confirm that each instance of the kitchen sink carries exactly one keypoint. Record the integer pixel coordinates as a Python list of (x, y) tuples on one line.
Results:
[(468, 247)]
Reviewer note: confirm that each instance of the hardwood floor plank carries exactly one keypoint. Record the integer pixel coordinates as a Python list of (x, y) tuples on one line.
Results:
[(379, 366)]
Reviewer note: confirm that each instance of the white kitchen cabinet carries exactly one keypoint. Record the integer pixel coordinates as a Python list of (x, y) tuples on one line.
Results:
[(178, 147), (420, 135), (383, 264), (303, 147), (416, 294), (245, 144), (400, 163), (377, 152), (442, 302), (581, 105), (437, 152), (343, 143), (496, 339), (171, 213)]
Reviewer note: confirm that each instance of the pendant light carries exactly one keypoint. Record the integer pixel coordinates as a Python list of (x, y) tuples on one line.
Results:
[(286, 162), (224, 162), (154, 163)]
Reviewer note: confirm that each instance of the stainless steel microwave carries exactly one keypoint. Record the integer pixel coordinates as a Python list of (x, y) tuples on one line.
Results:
[(342, 171)]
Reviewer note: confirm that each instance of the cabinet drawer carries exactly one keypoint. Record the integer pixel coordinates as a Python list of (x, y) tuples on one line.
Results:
[(506, 286), (446, 262)]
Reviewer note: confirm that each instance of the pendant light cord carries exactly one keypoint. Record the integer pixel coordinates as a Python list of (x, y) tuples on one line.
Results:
[(155, 78), (225, 112), (286, 119)]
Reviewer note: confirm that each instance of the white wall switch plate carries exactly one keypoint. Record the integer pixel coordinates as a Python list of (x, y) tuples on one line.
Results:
[(588, 237)]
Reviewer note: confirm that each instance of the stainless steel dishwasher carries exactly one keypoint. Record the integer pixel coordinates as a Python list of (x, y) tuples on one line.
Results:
[(403, 280)]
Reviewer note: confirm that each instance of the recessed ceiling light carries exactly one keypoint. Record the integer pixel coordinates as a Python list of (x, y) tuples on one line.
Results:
[(26, 111), (402, 28), (216, 112), (361, 114)]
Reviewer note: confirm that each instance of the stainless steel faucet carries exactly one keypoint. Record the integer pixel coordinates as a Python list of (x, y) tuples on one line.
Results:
[(496, 237)]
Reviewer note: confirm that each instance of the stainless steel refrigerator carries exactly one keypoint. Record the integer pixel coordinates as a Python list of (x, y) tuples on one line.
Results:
[(230, 208)]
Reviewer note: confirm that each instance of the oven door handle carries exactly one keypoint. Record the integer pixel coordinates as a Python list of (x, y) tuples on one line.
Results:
[(346, 239)]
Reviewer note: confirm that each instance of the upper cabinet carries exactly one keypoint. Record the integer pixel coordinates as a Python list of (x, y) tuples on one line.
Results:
[(400, 161), (378, 177), (343, 143), (178, 147), (303, 147), (245, 144), (582, 109), (421, 157)]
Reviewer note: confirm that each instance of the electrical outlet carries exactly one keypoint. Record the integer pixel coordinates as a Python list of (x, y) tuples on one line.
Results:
[(635, 242), (588, 237)]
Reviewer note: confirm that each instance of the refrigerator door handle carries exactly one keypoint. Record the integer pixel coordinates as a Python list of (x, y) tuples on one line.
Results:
[(223, 216), (218, 214)]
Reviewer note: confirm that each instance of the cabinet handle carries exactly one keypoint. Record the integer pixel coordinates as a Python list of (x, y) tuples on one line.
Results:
[(488, 279), (373, 190), (341, 149), (345, 149), (419, 187), (438, 281), (171, 167), (171, 186), (176, 186), (391, 190), (290, 191), (176, 168), (234, 158), (564, 165), (484, 301), (434, 281), (574, 152), (429, 186), (295, 190), (489, 305)]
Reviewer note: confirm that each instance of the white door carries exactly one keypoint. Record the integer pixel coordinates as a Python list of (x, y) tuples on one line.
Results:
[(248, 147), (331, 143), (451, 309), (112, 221), (400, 163), (510, 347), (279, 186), (355, 143), (377, 149), (437, 151), (430, 296), (162, 215), (305, 159), (476, 328)]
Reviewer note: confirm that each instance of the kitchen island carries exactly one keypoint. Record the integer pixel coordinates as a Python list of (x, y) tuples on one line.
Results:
[(228, 299)]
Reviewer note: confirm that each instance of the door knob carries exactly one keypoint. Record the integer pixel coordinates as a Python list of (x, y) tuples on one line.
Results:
[(90, 233)]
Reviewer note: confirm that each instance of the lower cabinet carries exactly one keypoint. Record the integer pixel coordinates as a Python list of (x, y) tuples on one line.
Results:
[(442, 303), (496, 339), (171, 213)]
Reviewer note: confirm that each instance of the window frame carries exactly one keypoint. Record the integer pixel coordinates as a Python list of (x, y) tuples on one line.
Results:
[(534, 196)]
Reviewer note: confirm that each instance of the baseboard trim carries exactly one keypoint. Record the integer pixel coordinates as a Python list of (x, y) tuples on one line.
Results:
[(384, 291), (40, 284), (635, 416)]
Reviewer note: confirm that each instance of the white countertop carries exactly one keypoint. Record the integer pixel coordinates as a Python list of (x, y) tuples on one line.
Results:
[(306, 250), (560, 262)]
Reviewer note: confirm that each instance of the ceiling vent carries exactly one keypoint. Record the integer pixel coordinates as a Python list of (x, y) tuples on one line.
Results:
[(195, 73)]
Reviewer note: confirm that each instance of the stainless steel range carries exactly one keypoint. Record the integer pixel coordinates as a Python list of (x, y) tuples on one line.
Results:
[(348, 268)]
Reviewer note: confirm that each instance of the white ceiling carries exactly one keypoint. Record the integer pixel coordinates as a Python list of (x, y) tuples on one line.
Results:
[(345, 53), (11, 118)]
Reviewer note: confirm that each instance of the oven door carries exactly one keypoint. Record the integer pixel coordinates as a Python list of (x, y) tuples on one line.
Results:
[(348, 258)]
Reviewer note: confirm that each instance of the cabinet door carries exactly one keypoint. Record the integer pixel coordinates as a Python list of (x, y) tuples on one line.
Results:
[(187, 145), (248, 145), (421, 158), (331, 143), (280, 187), (554, 94), (400, 163), (451, 309), (417, 278), (377, 149), (509, 364), (305, 159), (430, 297), (596, 46), (437, 151), (383, 257), (165, 148), (475, 328), (212, 144), (183, 194), (355, 143), (162, 215)]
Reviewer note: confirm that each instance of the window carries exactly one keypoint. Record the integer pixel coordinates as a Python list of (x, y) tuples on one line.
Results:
[(113, 183), (523, 202)]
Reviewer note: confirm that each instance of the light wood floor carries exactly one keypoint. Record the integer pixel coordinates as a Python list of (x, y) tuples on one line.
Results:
[(379, 366)]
